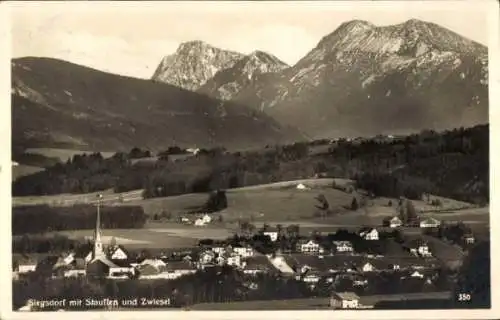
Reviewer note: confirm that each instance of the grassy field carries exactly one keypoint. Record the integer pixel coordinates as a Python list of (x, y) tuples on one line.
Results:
[(24, 170), (314, 303), (258, 205), (109, 197), (277, 203), (139, 238)]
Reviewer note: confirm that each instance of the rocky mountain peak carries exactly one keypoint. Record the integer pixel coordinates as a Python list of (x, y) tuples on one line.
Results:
[(227, 83), (265, 58), (193, 63), (355, 26)]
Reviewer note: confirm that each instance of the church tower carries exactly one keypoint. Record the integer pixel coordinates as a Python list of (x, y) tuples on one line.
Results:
[(98, 247)]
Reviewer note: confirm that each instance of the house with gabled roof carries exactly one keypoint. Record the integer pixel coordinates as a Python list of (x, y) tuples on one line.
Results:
[(344, 300), (369, 234), (309, 247), (257, 264), (468, 238), (207, 256), (243, 251), (418, 247), (25, 264), (272, 234), (395, 222), (342, 246), (118, 252), (429, 223)]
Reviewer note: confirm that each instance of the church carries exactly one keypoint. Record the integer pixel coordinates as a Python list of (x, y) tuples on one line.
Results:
[(112, 262)]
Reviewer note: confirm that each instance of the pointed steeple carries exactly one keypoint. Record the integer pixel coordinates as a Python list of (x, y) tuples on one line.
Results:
[(98, 248)]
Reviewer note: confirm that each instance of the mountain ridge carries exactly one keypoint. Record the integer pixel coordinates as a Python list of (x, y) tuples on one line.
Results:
[(363, 79), (55, 101), (229, 82), (193, 63)]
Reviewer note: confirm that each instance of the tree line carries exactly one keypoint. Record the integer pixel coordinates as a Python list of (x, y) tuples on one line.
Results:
[(43, 218), (452, 164)]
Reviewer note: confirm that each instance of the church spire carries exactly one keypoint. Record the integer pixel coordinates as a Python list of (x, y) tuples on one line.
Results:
[(98, 249)]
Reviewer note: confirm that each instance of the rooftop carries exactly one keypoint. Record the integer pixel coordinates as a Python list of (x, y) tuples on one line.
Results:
[(346, 295)]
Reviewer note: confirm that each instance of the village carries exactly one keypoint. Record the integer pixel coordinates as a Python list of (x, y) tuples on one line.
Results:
[(351, 262)]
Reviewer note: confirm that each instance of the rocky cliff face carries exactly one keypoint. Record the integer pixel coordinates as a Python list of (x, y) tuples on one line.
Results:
[(193, 64), (364, 79), (229, 82)]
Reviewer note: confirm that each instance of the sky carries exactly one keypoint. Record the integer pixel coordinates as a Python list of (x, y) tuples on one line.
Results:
[(131, 39)]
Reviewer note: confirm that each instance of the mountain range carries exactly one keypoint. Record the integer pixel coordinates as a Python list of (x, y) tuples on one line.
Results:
[(366, 80), (359, 80)]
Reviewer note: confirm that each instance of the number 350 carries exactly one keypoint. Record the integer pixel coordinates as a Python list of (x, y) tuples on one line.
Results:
[(464, 297)]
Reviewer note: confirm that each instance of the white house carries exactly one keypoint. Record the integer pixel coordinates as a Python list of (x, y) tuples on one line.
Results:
[(301, 186), (369, 234), (272, 234), (395, 222), (419, 248), (344, 300), (219, 250), (360, 282), (243, 251), (193, 150), (26, 265), (157, 263), (117, 253), (206, 219), (429, 223), (367, 267), (234, 260), (309, 246), (311, 278), (469, 239), (207, 257), (199, 222), (343, 246), (121, 271)]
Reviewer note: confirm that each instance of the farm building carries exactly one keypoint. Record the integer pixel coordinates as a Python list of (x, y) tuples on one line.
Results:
[(395, 222), (429, 223), (418, 247), (309, 247), (369, 234), (243, 251), (469, 239), (118, 253), (344, 300), (343, 246), (26, 264), (301, 186), (272, 234)]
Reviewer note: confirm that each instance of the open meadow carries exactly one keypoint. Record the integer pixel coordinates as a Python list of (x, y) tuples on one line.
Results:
[(24, 170), (64, 154), (138, 238), (314, 303)]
